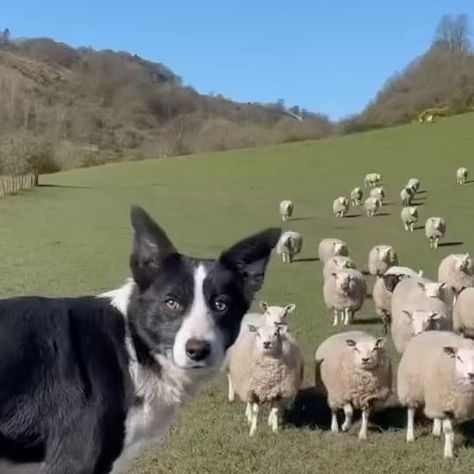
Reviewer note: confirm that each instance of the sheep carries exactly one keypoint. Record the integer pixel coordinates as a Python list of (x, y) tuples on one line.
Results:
[(378, 193), (372, 179), (340, 206), (372, 205), (289, 245), (270, 315), (417, 305), (329, 248), (286, 210), (356, 196), (463, 315), (383, 289), (265, 366), (409, 216), (414, 184), (337, 263), (344, 292), (406, 195), (435, 229), (381, 258), (354, 369), (461, 175), (457, 271), (436, 372)]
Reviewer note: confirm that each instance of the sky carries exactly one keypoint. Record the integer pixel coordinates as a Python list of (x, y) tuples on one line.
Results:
[(328, 56)]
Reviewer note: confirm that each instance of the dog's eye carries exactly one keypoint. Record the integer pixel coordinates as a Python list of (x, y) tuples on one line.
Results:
[(219, 306), (173, 304)]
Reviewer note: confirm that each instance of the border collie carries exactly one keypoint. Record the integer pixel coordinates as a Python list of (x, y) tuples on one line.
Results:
[(85, 381)]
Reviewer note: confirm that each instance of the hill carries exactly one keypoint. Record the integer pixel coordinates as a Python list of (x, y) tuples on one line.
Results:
[(72, 236)]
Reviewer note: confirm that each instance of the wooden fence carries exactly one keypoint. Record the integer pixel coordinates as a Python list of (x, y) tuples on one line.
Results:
[(15, 184)]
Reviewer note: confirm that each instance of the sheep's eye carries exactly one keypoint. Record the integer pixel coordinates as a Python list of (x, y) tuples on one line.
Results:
[(172, 303), (219, 306), (459, 359)]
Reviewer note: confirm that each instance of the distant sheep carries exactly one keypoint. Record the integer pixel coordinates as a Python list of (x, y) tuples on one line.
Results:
[(337, 263), (414, 184), (381, 258), (457, 271), (378, 193), (372, 179), (409, 216), (435, 229), (286, 210), (461, 175), (406, 195), (329, 248), (356, 196), (289, 245), (372, 205), (354, 370), (340, 206), (463, 314)]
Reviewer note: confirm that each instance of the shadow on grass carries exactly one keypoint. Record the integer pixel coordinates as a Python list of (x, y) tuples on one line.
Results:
[(467, 430), (469, 181), (309, 259), (300, 218), (352, 216), (451, 244), (423, 191), (381, 214), (365, 321), (418, 203), (63, 186), (419, 227)]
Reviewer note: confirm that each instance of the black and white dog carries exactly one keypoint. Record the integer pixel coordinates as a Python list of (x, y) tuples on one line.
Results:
[(85, 381)]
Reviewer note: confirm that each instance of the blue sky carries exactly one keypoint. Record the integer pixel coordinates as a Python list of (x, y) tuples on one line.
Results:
[(330, 56)]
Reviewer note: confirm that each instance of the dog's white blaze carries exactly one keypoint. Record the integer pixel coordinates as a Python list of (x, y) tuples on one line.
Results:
[(198, 324), (120, 297)]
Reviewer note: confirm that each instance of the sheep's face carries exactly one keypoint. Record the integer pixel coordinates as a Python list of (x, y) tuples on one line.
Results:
[(343, 262), (343, 201), (344, 281), (338, 248), (413, 211), (432, 289), (463, 263), (422, 321), (276, 315), (385, 253), (366, 352), (463, 363), (267, 338)]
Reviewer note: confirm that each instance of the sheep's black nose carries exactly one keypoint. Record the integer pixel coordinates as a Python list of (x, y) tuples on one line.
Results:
[(197, 349), (267, 345), (471, 375), (365, 359)]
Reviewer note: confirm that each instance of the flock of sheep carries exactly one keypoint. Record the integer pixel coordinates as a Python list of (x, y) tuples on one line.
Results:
[(430, 324)]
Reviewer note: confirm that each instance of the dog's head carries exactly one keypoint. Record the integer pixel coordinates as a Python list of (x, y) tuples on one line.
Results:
[(188, 310)]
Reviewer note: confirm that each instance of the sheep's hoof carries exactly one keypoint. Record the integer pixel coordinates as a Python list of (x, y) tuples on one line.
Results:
[(345, 427), (410, 439), (362, 436)]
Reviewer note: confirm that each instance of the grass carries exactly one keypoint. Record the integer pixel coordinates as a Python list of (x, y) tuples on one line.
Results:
[(71, 236)]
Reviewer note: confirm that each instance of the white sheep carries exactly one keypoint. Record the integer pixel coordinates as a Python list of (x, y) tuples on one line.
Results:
[(335, 264), (457, 271), (265, 366), (378, 193), (414, 184), (436, 372), (372, 179), (463, 314), (354, 370), (381, 258), (270, 315), (372, 205), (340, 206), (330, 247), (406, 195), (356, 196), (289, 245), (461, 175), (435, 229), (409, 216), (344, 293), (286, 210), (417, 305)]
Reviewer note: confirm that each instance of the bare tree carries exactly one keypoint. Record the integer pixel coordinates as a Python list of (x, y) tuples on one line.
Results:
[(452, 33)]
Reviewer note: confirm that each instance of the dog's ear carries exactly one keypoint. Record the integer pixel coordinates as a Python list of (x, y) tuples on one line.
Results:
[(151, 246), (249, 259)]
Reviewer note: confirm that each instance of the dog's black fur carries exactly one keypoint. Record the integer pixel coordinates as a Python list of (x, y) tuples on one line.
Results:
[(65, 383)]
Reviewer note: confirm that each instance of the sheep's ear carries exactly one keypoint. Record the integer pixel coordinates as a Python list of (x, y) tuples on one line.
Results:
[(249, 258), (390, 281), (350, 342), (420, 273), (435, 316), (151, 246), (263, 306), (408, 313), (450, 351), (441, 285), (252, 328), (379, 343), (290, 308)]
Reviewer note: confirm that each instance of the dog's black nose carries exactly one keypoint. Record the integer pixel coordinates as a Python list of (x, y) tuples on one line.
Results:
[(197, 349)]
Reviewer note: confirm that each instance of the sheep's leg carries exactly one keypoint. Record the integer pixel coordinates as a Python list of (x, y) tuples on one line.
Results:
[(336, 317), (437, 427), (231, 391), (412, 227), (254, 417), (411, 425), (348, 412), (406, 227), (448, 438), (365, 423), (248, 413), (348, 316), (455, 297), (436, 242), (334, 424), (273, 417)]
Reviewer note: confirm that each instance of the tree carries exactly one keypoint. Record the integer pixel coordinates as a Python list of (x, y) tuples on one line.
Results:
[(452, 33), (5, 37)]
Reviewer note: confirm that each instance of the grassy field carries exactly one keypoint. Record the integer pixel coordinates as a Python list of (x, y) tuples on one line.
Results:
[(72, 236)]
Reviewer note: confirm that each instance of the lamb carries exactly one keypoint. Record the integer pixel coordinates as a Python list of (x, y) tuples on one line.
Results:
[(265, 366), (461, 175), (381, 258), (340, 206), (289, 245), (356, 196), (406, 195), (457, 271), (409, 217), (286, 210), (463, 315), (372, 205), (417, 306), (436, 372), (329, 248), (414, 184), (435, 229), (378, 193), (344, 292), (335, 264), (354, 369), (372, 179)]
